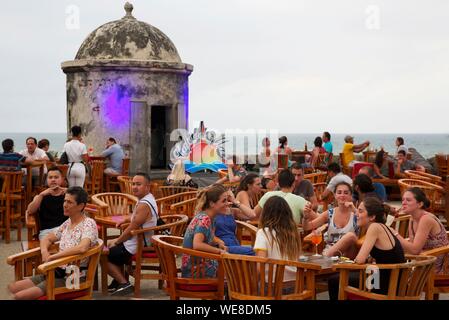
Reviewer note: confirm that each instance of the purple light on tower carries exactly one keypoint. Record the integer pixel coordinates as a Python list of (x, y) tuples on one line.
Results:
[(116, 108), (186, 102)]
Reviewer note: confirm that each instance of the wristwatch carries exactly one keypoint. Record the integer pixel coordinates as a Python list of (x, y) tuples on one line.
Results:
[(237, 204)]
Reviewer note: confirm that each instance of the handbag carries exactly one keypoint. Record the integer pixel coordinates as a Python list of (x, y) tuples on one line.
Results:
[(64, 159)]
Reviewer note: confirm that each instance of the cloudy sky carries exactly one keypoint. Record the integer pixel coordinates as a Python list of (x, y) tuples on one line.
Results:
[(297, 66)]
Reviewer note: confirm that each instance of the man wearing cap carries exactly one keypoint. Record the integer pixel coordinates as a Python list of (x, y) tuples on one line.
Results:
[(348, 150)]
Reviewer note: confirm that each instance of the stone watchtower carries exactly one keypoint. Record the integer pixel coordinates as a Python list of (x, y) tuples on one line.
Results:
[(128, 82)]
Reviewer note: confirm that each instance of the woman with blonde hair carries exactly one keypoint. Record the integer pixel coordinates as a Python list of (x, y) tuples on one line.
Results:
[(278, 236), (200, 234), (179, 177)]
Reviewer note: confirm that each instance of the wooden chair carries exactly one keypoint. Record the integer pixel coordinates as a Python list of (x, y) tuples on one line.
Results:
[(12, 204), (171, 190), (438, 283), (318, 177), (146, 258), (85, 289), (222, 173), (126, 184), (246, 233), (318, 189), (164, 204), (168, 248), (112, 204), (407, 280), (111, 181), (418, 175), (435, 193), (186, 207), (251, 278), (400, 224), (442, 161), (94, 183), (155, 188)]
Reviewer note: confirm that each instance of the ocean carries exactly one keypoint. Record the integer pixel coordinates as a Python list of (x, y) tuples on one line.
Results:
[(426, 144)]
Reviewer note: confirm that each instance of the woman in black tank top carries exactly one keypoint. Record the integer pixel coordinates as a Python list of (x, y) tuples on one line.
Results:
[(380, 244)]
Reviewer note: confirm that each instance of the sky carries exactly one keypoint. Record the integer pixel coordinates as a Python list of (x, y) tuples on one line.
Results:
[(295, 66)]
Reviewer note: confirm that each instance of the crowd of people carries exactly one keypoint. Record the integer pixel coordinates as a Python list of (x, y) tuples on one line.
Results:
[(278, 203)]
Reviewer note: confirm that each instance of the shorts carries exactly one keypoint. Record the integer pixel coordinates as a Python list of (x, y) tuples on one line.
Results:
[(40, 280), (45, 232), (118, 255)]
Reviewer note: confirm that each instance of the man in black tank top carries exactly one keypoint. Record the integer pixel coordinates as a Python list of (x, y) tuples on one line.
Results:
[(47, 207)]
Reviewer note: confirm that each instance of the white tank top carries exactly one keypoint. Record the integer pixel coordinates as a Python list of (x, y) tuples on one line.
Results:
[(334, 233), (148, 200)]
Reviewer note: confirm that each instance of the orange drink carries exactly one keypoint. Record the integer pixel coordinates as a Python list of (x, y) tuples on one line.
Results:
[(316, 239)]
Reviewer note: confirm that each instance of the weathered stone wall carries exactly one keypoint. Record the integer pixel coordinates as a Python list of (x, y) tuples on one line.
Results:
[(99, 100)]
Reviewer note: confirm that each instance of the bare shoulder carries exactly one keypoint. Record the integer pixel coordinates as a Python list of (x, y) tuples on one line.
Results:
[(374, 228)]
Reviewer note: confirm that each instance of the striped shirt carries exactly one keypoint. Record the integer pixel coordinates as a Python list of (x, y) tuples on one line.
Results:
[(10, 161)]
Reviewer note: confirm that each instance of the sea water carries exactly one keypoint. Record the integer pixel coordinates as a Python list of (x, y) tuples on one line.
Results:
[(426, 144)]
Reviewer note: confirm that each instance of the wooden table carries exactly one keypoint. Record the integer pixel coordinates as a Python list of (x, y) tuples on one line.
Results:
[(109, 222), (367, 155), (29, 179)]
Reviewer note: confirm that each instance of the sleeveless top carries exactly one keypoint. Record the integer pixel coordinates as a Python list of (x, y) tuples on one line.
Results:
[(437, 241), (225, 227), (334, 233), (148, 200), (393, 255)]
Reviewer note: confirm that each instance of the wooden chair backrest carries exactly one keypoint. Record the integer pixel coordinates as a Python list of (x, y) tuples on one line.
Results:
[(246, 230), (114, 203), (418, 175), (222, 173), (126, 184), (95, 185), (252, 278), (400, 224), (92, 210), (164, 204), (317, 177), (407, 280), (12, 182), (125, 166), (171, 190), (155, 188), (168, 248), (318, 189), (93, 254), (176, 223), (186, 207), (442, 161)]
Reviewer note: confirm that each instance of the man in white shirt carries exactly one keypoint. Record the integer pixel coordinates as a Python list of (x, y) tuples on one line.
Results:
[(400, 146), (124, 247), (34, 155), (334, 172)]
